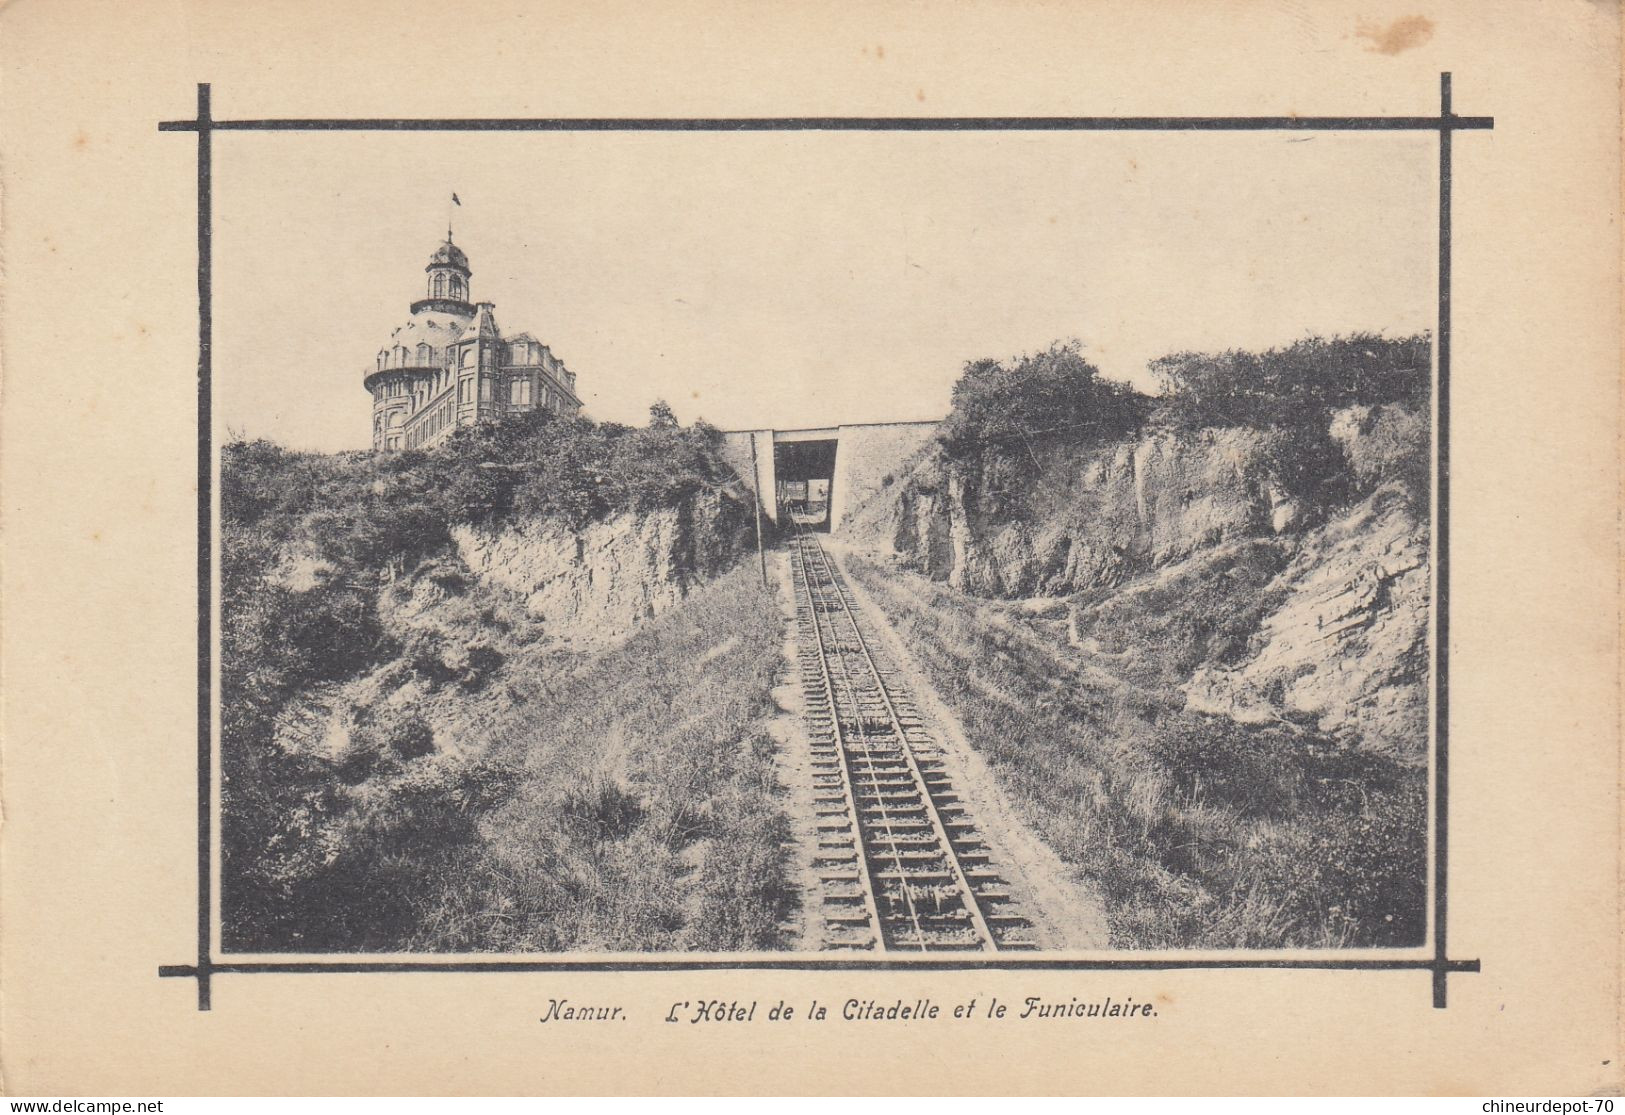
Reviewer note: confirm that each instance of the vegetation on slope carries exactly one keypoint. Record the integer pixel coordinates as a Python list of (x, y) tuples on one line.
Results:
[(1303, 382), (1293, 394), (643, 814), (1004, 414), (1009, 417), (380, 707), (1157, 630), (620, 800), (1196, 831)]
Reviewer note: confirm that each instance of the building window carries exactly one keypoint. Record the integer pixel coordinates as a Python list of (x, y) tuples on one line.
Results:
[(519, 392), (485, 389)]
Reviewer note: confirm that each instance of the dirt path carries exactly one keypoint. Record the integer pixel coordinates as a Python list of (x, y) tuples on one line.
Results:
[(1069, 916), (1065, 914), (793, 766)]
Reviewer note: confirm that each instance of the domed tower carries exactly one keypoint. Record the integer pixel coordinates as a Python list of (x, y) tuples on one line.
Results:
[(449, 365), (413, 380), (447, 287)]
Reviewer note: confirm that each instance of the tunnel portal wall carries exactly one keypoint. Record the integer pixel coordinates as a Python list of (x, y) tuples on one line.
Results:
[(736, 446), (866, 455)]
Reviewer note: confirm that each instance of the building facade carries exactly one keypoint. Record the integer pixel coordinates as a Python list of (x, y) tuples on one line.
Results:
[(449, 365)]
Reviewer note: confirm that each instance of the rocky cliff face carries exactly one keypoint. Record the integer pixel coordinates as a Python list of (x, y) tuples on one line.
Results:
[(599, 581), (1340, 641), (1347, 647), (537, 586), (1102, 516)]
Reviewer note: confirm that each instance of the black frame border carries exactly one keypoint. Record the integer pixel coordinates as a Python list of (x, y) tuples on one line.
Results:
[(1445, 124)]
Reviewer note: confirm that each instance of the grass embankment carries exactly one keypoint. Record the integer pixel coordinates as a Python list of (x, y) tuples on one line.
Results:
[(623, 800), (408, 762), (645, 813), (1195, 830)]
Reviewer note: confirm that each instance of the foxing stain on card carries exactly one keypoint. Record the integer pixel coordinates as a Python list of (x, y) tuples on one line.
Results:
[(1397, 37)]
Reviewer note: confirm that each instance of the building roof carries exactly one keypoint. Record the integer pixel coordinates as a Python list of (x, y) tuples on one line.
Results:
[(448, 255), (437, 327), (483, 326)]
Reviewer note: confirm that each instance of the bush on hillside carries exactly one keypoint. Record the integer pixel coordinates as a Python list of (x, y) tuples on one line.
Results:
[(1006, 415), (1008, 411), (1387, 444), (309, 542), (1292, 386), (574, 468), (1294, 395)]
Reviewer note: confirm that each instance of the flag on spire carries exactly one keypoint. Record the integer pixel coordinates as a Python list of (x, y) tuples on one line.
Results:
[(455, 200)]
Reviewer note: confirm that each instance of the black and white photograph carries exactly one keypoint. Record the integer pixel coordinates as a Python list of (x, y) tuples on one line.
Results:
[(1010, 548), (867, 544)]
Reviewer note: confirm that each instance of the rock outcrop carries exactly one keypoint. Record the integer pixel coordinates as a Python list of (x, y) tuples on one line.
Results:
[(1348, 648), (598, 582), (499, 593), (1344, 651), (1104, 516)]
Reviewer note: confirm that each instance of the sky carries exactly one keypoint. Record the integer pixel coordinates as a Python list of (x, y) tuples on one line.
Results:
[(801, 279)]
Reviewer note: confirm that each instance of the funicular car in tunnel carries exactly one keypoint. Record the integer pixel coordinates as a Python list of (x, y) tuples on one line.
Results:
[(805, 473)]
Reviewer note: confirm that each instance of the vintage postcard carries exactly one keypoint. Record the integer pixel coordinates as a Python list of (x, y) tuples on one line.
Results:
[(1007, 548)]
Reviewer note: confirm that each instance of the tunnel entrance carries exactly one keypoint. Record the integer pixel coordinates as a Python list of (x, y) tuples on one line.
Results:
[(804, 471), (823, 475)]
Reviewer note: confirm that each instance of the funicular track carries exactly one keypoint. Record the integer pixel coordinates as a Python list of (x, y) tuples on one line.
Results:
[(901, 862)]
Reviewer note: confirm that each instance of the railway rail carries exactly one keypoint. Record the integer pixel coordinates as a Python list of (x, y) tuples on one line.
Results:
[(902, 863)]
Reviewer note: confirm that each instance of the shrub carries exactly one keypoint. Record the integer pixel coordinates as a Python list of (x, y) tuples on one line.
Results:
[(1005, 413), (1306, 461), (602, 810), (1391, 443), (576, 469), (409, 738), (1293, 394), (342, 852), (480, 661), (1296, 385)]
